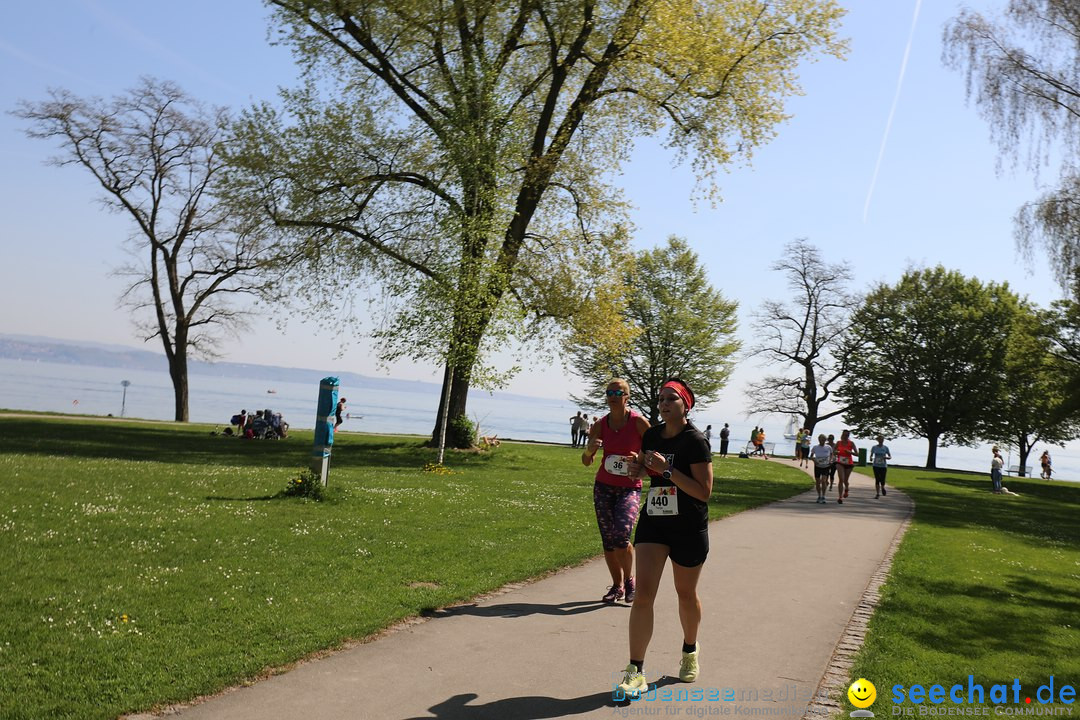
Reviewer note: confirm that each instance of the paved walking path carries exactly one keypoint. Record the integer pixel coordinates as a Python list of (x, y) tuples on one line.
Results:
[(779, 588)]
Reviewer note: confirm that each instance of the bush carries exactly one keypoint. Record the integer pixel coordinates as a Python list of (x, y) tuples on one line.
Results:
[(461, 433), (305, 484)]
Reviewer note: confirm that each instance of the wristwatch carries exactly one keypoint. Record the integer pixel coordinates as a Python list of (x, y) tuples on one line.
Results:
[(667, 473)]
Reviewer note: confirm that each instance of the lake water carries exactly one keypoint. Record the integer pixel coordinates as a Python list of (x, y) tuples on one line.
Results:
[(52, 387)]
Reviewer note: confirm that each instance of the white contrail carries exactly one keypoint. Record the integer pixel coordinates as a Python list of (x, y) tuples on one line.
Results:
[(892, 111)]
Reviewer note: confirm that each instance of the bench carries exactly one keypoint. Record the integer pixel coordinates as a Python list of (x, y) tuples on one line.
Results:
[(1016, 469), (769, 447)]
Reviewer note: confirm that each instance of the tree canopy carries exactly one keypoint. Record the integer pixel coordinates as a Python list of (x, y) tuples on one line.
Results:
[(1023, 70), (679, 326), (1037, 402), (930, 360), (804, 335), (455, 159)]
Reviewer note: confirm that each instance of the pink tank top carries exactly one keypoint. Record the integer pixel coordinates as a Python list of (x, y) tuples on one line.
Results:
[(618, 443)]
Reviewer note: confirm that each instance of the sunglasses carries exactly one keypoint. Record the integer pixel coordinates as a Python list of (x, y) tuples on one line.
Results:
[(615, 393)]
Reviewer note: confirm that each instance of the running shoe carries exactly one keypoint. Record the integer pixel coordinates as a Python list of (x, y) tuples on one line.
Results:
[(876, 496), (633, 683), (688, 668), (845, 493), (614, 593), (629, 590), (883, 490), (840, 500)]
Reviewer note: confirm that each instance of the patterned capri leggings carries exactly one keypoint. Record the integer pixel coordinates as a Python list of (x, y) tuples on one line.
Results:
[(616, 511)]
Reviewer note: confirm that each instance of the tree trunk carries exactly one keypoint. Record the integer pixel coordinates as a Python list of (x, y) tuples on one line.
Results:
[(178, 371), (931, 453), (459, 396), (462, 355), (810, 398), (1024, 450)]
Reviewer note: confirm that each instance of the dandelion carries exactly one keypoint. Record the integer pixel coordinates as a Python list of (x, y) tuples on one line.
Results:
[(124, 618)]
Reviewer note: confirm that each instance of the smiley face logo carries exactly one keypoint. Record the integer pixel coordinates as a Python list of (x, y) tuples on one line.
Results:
[(862, 693)]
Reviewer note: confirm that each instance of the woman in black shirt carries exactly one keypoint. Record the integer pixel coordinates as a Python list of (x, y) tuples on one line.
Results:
[(674, 525)]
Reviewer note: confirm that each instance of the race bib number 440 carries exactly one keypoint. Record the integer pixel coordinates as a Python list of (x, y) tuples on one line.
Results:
[(617, 464), (662, 501)]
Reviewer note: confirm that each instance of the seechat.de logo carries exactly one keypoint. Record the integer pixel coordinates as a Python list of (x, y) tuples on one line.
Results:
[(862, 695)]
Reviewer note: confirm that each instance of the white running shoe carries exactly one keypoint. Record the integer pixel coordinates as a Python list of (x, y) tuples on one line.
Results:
[(688, 668), (633, 683)]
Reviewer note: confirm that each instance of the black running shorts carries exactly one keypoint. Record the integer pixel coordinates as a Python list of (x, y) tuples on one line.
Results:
[(688, 548)]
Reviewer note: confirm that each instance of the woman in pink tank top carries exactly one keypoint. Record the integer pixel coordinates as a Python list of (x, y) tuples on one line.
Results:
[(616, 494), (845, 459)]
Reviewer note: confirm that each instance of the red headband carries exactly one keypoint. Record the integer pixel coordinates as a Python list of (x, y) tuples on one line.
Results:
[(681, 391)]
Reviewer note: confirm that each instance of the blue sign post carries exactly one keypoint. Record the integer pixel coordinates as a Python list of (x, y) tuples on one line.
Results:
[(324, 427)]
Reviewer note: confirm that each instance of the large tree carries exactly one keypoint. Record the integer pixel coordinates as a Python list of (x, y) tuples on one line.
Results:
[(1037, 402), (679, 325), (804, 336), (1023, 70), (930, 361), (458, 162), (1061, 332), (154, 152)]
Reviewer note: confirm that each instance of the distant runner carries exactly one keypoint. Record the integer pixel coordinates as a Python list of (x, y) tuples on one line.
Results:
[(878, 455), (822, 455)]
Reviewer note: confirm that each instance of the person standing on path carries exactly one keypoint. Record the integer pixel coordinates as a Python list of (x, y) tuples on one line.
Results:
[(878, 455), (799, 458), (708, 434), (617, 494), (845, 460), (674, 526), (996, 463), (822, 455), (806, 440), (725, 435)]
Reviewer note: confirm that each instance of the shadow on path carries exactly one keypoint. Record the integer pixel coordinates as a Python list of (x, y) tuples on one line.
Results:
[(532, 707), (515, 610)]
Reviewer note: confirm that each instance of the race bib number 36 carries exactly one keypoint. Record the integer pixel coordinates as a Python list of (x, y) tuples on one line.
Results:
[(617, 464), (662, 501)]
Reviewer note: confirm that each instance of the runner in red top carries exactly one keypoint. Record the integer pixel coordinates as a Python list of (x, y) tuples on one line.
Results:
[(845, 459), (617, 493)]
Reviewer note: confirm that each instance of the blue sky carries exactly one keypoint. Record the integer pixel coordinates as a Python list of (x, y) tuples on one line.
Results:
[(938, 197)]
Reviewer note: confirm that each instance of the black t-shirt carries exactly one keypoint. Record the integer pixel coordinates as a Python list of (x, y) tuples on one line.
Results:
[(687, 448), (724, 434)]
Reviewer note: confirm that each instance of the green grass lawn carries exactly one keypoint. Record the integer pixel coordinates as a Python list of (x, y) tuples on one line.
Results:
[(983, 585), (146, 564)]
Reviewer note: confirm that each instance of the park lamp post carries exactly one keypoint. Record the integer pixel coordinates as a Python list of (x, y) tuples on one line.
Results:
[(123, 402)]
